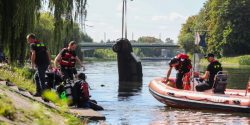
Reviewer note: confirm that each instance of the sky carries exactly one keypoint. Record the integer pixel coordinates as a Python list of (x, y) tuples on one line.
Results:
[(155, 18)]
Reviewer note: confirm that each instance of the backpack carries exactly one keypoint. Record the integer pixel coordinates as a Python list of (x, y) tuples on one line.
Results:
[(80, 92)]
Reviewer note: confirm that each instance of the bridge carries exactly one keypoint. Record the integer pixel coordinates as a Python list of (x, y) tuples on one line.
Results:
[(90, 46)]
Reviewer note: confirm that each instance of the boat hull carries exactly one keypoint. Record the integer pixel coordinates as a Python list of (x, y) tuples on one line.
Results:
[(198, 100)]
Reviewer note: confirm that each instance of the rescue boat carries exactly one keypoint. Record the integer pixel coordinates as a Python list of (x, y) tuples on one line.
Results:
[(230, 99)]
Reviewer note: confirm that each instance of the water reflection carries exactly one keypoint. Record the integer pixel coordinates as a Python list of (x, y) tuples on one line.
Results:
[(187, 116), (127, 89), (132, 103)]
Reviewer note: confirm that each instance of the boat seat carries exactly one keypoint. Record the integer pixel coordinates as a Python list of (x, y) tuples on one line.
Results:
[(220, 83)]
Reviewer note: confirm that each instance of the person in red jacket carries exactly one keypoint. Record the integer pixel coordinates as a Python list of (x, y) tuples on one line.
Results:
[(68, 58), (182, 64)]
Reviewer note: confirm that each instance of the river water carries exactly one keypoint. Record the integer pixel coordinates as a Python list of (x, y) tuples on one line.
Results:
[(132, 103)]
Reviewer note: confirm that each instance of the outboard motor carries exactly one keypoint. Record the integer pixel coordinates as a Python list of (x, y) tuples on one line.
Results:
[(129, 67)]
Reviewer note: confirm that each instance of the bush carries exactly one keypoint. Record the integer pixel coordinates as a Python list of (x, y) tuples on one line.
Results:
[(245, 60), (52, 57), (7, 108), (26, 72)]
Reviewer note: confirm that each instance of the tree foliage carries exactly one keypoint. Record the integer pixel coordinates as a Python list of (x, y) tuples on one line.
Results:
[(228, 22), (17, 20), (44, 29), (169, 40)]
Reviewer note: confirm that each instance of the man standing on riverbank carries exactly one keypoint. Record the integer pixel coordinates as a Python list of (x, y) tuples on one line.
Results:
[(182, 64), (68, 58), (212, 69), (41, 57)]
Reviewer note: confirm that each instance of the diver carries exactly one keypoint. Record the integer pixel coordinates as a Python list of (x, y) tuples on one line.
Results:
[(182, 64)]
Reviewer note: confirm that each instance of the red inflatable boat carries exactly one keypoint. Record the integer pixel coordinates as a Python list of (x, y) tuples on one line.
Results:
[(232, 100)]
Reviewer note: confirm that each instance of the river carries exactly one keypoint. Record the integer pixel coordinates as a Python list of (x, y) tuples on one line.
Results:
[(132, 103)]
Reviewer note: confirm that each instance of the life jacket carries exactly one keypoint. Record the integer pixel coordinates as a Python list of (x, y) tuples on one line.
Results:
[(182, 57), (68, 59)]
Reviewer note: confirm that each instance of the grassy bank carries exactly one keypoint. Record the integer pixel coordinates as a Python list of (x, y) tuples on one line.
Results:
[(22, 77), (238, 60), (38, 113), (33, 112)]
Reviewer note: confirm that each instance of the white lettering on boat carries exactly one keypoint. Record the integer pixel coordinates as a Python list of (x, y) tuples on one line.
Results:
[(218, 100)]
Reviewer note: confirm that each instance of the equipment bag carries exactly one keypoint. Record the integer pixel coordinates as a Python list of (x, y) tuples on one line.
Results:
[(81, 93)]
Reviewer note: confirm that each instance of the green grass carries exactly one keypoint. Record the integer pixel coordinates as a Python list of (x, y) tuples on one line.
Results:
[(53, 57), (38, 113), (239, 60), (19, 78), (245, 60), (7, 108)]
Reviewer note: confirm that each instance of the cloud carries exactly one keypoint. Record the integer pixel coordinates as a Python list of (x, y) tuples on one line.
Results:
[(120, 6), (93, 31), (117, 31), (176, 16), (163, 27), (119, 15), (111, 27), (158, 18), (139, 18), (172, 17), (103, 24), (89, 23), (96, 16)]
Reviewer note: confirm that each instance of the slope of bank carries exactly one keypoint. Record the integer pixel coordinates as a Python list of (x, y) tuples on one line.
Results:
[(231, 61), (17, 109)]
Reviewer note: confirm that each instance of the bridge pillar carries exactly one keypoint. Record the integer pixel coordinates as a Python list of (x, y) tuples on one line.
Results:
[(129, 67)]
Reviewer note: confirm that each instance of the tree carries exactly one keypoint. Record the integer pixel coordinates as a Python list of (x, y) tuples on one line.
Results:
[(108, 41), (187, 43), (228, 21), (17, 20), (168, 40), (101, 41)]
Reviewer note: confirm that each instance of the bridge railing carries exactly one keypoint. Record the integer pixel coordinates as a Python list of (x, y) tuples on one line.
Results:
[(87, 43)]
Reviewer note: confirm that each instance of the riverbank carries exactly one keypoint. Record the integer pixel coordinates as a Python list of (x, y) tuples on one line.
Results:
[(231, 61), (17, 109)]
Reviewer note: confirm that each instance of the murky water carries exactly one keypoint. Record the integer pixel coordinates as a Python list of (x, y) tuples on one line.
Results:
[(131, 103)]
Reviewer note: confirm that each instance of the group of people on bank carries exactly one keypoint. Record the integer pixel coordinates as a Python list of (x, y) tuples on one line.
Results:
[(40, 57), (182, 64)]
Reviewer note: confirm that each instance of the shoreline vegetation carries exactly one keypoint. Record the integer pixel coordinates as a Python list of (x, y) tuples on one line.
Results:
[(231, 61), (227, 61), (38, 113)]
